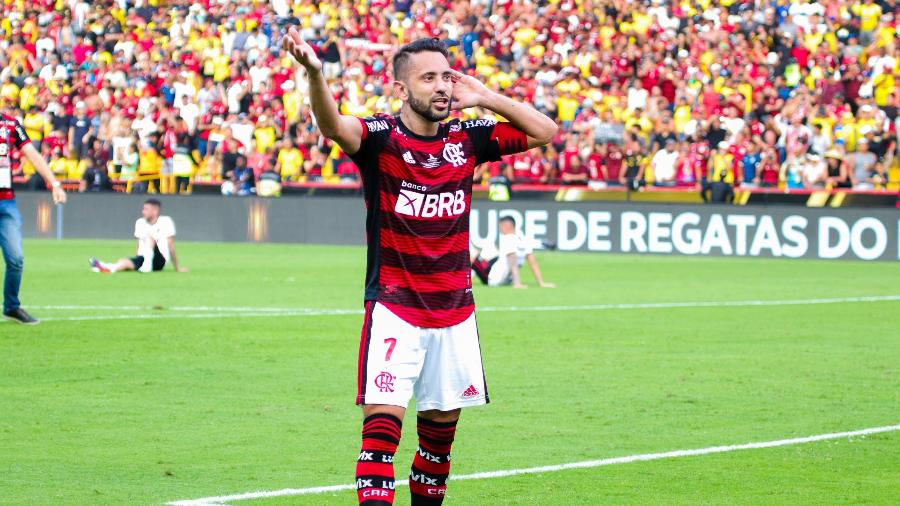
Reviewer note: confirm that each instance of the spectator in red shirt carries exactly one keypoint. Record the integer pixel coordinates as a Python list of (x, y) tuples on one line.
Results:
[(525, 167), (576, 172)]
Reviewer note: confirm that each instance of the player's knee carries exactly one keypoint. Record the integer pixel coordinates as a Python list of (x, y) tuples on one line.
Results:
[(441, 416), (385, 409)]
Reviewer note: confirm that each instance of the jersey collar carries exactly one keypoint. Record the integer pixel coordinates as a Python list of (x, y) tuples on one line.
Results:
[(407, 131)]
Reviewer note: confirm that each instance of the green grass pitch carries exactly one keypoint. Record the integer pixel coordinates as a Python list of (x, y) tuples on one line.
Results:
[(185, 404)]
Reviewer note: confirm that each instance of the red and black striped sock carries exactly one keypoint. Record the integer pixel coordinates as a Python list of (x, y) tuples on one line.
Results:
[(431, 465), (375, 465), (482, 268)]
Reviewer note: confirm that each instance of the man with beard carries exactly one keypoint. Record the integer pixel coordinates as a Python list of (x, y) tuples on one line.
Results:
[(419, 335)]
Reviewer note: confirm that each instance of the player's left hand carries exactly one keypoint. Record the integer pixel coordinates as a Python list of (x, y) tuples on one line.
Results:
[(547, 285), (59, 195), (181, 269), (467, 91)]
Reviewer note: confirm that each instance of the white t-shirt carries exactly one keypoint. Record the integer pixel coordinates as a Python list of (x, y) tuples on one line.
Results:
[(182, 89), (144, 128), (149, 236), (190, 112), (243, 132), (501, 272), (664, 165), (514, 243), (258, 75), (637, 98), (734, 126)]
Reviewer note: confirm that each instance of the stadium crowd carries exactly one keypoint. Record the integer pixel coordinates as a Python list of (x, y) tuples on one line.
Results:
[(777, 93)]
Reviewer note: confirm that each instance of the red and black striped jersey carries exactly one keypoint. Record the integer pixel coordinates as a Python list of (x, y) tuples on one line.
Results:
[(12, 137), (418, 192)]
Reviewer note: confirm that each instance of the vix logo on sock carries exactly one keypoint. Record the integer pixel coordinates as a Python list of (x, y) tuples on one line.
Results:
[(422, 478), (429, 457)]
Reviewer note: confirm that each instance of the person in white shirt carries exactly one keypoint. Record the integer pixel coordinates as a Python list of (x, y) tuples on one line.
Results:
[(663, 163), (189, 112), (155, 236), (501, 266)]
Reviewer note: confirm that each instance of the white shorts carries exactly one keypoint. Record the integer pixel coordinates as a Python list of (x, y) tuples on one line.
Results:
[(500, 274), (441, 367)]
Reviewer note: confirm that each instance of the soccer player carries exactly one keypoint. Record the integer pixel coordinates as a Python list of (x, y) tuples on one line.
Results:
[(13, 138), (419, 335), (500, 266), (155, 244)]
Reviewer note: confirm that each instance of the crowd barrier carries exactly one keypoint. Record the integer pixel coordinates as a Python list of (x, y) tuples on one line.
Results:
[(608, 227)]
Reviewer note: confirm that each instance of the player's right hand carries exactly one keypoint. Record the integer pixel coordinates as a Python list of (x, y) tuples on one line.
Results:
[(300, 50)]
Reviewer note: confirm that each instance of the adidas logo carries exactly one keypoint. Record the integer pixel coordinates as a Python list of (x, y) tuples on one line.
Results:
[(471, 392)]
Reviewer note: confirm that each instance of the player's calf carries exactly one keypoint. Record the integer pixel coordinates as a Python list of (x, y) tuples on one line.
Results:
[(375, 465), (431, 465)]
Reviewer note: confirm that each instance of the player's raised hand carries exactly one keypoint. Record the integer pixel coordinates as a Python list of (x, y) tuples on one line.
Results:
[(300, 50), (467, 91)]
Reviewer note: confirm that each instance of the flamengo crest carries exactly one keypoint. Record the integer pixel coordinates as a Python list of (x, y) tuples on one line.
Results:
[(453, 153)]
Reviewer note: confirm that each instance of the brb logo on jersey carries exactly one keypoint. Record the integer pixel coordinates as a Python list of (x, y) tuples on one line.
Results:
[(429, 205)]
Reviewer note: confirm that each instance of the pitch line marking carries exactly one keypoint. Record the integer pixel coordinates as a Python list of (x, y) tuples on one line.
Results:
[(251, 312), (587, 464)]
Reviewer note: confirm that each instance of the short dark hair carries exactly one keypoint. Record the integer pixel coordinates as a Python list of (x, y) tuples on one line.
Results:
[(509, 219), (401, 57), (154, 202)]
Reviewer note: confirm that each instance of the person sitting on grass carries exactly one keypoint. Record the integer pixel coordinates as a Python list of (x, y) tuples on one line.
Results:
[(155, 244), (501, 266)]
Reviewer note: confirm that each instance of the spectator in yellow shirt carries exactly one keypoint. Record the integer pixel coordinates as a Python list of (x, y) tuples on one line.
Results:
[(292, 101), (57, 165), (566, 106), (35, 123), (290, 161), (265, 133), (70, 164), (869, 14), (9, 91)]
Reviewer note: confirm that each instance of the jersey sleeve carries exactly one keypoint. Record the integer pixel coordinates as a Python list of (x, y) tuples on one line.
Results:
[(493, 140), (375, 132), (138, 233), (21, 136)]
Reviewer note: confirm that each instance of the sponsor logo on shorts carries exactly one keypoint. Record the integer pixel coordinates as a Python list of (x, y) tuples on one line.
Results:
[(385, 382), (471, 392)]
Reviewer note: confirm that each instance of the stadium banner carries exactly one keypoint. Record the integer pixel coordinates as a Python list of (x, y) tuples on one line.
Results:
[(603, 227), (787, 232)]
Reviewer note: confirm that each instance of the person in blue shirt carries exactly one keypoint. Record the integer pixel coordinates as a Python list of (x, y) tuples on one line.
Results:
[(468, 40), (242, 177), (750, 163)]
